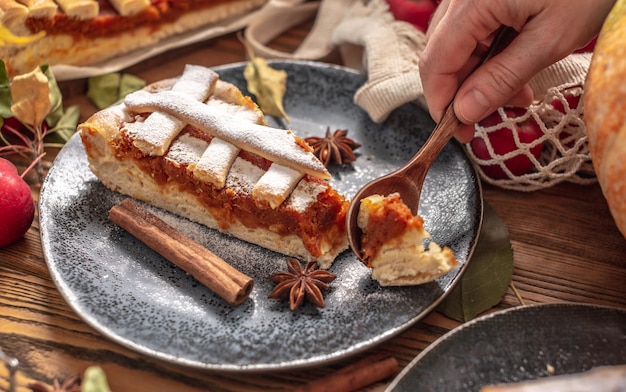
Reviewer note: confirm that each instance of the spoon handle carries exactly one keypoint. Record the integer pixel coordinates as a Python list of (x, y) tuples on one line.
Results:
[(503, 38)]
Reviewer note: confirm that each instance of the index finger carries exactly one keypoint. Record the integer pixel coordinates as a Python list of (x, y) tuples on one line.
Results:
[(448, 58)]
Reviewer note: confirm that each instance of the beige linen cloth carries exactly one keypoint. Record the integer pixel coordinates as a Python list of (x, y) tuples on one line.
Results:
[(387, 51)]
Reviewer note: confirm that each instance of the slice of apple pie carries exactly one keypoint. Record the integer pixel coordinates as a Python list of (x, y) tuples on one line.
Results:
[(197, 147), (393, 243)]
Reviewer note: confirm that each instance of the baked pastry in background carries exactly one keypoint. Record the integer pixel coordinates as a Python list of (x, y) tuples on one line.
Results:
[(598, 379), (197, 147), (393, 247), (86, 32)]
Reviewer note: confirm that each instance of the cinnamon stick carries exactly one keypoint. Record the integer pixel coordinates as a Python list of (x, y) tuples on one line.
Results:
[(358, 375), (209, 269)]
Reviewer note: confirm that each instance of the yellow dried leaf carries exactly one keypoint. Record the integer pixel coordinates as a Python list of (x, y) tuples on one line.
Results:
[(31, 97), (7, 37), (268, 86)]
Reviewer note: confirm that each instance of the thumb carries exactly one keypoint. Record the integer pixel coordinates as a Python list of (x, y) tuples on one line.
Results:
[(495, 83)]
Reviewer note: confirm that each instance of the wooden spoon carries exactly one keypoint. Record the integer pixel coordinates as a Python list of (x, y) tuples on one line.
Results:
[(409, 179)]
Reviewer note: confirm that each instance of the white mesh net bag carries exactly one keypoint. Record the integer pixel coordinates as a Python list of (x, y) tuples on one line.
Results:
[(549, 144)]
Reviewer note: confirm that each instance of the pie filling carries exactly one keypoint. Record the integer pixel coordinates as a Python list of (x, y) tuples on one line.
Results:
[(393, 244), (388, 219)]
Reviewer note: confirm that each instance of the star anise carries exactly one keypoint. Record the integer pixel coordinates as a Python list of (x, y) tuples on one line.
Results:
[(299, 283), (337, 147), (71, 384)]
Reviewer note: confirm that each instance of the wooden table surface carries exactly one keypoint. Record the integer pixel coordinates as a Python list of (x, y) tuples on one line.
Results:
[(566, 249)]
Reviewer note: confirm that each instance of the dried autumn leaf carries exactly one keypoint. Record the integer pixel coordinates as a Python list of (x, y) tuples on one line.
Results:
[(268, 86), (95, 380), (488, 274), (7, 37), (31, 98)]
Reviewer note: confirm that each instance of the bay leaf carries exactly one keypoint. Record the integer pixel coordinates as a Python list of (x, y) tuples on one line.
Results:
[(488, 274), (268, 85), (102, 90), (129, 84), (105, 90), (65, 126)]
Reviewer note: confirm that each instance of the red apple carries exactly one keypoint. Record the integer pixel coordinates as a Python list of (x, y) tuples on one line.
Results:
[(565, 136), (502, 140), (572, 102), (17, 209), (10, 129), (12, 122), (416, 12)]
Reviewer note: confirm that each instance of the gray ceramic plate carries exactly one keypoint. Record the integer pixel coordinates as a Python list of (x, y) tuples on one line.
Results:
[(518, 344), (140, 300)]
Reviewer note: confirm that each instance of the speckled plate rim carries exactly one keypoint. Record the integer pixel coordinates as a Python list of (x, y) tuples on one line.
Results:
[(431, 350), (281, 366)]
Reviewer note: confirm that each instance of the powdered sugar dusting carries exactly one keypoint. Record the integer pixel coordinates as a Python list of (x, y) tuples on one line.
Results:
[(215, 162), (153, 137), (197, 81), (304, 194), (277, 145), (242, 113), (243, 176), (186, 149), (116, 113), (276, 184)]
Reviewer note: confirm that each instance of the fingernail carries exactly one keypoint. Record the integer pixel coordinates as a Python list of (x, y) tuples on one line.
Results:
[(474, 106)]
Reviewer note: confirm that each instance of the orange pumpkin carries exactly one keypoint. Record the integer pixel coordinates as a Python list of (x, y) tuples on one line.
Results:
[(605, 112)]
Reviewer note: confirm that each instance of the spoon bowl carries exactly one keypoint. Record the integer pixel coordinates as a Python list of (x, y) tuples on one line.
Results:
[(407, 180)]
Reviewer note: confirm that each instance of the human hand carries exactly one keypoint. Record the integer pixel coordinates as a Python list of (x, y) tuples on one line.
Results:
[(549, 30)]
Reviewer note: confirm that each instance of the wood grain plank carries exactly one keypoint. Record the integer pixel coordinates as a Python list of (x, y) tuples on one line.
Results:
[(566, 249)]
